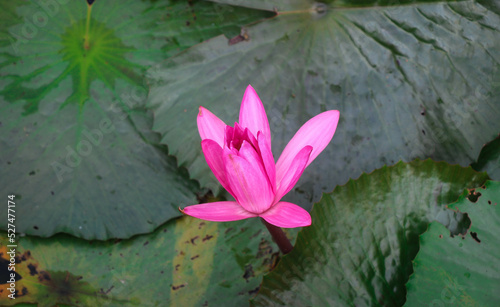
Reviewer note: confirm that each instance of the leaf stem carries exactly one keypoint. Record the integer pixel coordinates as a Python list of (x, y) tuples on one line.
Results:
[(279, 237)]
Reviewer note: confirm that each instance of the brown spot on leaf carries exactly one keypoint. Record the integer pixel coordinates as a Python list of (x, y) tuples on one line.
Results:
[(440, 236), (107, 291), (32, 269), (248, 272), (23, 257), (207, 237), (178, 287), (194, 239), (256, 234), (44, 276), (228, 230), (254, 291), (201, 225), (145, 243), (242, 37), (194, 257), (264, 249), (177, 266), (235, 40), (66, 287)]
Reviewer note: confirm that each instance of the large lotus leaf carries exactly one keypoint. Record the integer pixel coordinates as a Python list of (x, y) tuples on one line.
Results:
[(364, 235), (76, 142), (186, 262), (489, 159), (461, 271), (409, 81)]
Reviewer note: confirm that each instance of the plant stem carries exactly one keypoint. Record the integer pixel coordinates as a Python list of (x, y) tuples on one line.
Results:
[(279, 237)]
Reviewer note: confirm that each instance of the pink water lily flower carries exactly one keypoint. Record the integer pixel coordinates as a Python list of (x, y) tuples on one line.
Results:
[(241, 159)]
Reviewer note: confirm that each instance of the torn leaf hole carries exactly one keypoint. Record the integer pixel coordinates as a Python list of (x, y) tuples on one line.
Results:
[(463, 224), (473, 195), (474, 236)]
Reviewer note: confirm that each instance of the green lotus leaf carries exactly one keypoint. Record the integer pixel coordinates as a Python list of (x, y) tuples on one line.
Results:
[(186, 262), (76, 142), (461, 271), (364, 235)]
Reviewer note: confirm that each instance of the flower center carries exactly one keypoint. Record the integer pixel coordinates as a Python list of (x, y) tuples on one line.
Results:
[(236, 135)]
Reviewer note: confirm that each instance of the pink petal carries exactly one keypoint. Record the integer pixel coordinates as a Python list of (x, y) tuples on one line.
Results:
[(267, 158), (229, 135), (316, 132), (210, 126), (213, 155), (292, 175), (222, 211), (253, 115), (247, 178), (287, 215)]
